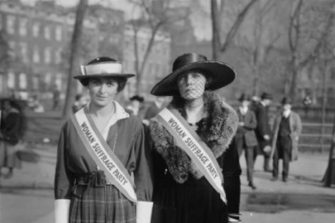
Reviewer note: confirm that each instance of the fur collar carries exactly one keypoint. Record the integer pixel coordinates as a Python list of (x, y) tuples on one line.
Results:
[(217, 131)]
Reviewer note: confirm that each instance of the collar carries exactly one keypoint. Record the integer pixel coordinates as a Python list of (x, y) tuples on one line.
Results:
[(119, 113), (243, 110), (286, 113)]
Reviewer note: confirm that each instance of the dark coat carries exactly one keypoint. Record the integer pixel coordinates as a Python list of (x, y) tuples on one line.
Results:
[(295, 132), (247, 132)]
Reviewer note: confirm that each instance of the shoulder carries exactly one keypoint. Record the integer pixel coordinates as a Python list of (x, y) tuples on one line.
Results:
[(295, 115), (132, 123)]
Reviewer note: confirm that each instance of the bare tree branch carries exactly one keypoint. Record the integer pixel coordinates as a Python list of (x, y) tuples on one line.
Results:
[(233, 30)]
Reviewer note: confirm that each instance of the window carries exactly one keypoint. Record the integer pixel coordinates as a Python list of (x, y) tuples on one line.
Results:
[(58, 56), (36, 55), (47, 78), (24, 52), (47, 32), (11, 24), (23, 81), (58, 80), (11, 80), (36, 29), (58, 33), (36, 82), (12, 47), (47, 56), (23, 26)]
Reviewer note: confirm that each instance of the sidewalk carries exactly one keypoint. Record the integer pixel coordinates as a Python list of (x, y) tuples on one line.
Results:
[(304, 178), (302, 199)]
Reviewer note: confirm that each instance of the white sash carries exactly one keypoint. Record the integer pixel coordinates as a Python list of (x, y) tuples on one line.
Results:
[(97, 147), (195, 148)]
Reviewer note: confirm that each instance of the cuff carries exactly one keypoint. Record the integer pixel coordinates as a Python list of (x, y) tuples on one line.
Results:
[(62, 209), (143, 211)]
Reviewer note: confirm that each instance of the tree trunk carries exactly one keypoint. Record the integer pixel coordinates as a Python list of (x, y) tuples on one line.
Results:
[(294, 79), (74, 56), (216, 42)]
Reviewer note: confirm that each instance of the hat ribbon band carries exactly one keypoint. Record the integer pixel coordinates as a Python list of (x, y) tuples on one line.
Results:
[(98, 69)]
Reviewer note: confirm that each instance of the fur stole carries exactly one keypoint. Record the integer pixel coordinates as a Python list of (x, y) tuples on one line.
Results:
[(217, 131)]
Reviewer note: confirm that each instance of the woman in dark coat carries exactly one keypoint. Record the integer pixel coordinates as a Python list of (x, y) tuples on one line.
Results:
[(101, 151), (183, 190), (13, 125)]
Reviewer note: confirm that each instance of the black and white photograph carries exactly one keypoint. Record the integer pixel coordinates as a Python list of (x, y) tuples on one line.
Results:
[(167, 111)]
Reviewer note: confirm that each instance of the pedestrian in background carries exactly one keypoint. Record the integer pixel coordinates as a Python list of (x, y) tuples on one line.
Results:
[(13, 126), (263, 130), (135, 106), (287, 129), (55, 97), (79, 102), (183, 190), (245, 136), (101, 151)]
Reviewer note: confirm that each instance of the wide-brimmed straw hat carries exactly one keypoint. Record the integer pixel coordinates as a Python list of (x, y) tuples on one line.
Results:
[(219, 74), (102, 67)]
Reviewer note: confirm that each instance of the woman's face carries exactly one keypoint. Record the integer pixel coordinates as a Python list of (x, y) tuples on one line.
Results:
[(102, 91), (191, 85)]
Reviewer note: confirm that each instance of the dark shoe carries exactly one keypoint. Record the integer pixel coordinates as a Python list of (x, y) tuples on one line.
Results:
[(274, 178), (284, 179), (252, 185)]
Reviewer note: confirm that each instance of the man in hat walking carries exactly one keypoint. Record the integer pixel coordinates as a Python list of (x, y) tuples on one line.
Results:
[(287, 129), (263, 130), (245, 137)]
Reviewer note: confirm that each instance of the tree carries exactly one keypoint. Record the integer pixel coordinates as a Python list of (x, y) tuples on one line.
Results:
[(220, 43), (155, 16), (74, 55), (260, 40), (308, 31)]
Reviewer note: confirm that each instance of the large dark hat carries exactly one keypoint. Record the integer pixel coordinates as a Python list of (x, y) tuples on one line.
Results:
[(102, 67), (266, 95), (244, 97), (137, 98), (286, 101), (219, 74)]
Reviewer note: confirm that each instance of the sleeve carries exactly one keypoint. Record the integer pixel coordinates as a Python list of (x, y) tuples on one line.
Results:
[(231, 173), (143, 170), (299, 125), (252, 122), (63, 181)]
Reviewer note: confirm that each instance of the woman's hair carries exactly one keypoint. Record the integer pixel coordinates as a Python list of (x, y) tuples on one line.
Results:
[(120, 80)]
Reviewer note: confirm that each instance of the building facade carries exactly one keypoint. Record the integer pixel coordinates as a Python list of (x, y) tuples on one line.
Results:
[(38, 40)]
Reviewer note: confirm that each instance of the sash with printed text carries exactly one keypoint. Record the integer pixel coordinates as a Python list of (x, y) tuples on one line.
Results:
[(100, 151), (196, 149)]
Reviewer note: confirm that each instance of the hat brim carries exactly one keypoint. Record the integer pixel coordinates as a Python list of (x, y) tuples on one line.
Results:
[(81, 77), (221, 75)]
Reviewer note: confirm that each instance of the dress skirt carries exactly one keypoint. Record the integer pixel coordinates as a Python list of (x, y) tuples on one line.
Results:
[(100, 203), (194, 201)]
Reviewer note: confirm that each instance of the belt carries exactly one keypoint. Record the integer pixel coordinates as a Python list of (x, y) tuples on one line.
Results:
[(94, 179)]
